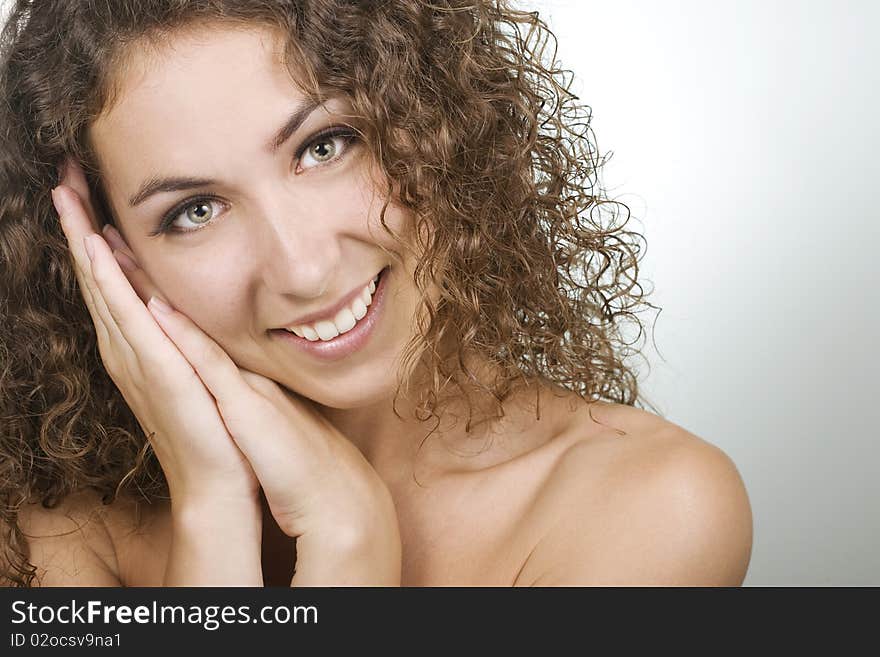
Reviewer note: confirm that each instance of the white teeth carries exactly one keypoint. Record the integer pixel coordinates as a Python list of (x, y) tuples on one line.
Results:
[(343, 322), (359, 308), (326, 330)]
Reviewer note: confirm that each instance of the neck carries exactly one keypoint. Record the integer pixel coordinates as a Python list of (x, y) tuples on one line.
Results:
[(469, 433)]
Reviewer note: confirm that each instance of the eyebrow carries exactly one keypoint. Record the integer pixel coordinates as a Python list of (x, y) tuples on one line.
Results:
[(157, 184)]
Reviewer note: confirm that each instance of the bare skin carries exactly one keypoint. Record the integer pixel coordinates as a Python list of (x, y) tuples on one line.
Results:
[(657, 506), (564, 500)]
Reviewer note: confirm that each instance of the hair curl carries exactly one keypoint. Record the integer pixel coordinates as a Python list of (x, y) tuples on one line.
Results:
[(480, 135)]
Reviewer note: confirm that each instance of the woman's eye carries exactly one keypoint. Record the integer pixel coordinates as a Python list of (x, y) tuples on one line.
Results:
[(198, 212), (324, 148)]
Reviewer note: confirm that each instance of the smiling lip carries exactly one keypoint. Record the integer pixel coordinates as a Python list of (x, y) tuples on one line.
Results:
[(347, 343), (329, 313)]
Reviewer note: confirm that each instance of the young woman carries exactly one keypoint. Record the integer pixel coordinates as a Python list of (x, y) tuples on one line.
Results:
[(314, 293)]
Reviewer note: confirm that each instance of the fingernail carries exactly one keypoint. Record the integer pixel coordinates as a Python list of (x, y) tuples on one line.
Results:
[(155, 303), (90, 247), (58, 201), (113, 236), (124, 261)]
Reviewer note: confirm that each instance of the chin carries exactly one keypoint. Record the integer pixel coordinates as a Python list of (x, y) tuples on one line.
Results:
[(350, 395)]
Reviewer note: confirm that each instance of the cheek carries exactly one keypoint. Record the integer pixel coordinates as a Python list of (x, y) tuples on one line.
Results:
[(213, 297), (372, 195), (400, 244)]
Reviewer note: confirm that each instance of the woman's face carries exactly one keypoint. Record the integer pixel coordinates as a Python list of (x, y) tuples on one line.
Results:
[(275, 235)]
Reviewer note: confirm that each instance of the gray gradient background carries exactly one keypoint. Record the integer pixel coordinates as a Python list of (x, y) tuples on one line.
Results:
[(744, 142)]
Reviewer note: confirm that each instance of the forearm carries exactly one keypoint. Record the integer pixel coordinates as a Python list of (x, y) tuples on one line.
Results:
[(356, 554), (215, 545)]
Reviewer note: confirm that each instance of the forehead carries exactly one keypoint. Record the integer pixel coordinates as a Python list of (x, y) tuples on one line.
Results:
[(218, 87)]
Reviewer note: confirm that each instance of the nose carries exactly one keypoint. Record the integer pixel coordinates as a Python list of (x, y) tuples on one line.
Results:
[(300, 250)]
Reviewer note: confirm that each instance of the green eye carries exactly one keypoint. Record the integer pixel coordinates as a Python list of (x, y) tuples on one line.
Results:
[(323, 157), (316, 147), (195, 211), (331, 137), (199, 217)]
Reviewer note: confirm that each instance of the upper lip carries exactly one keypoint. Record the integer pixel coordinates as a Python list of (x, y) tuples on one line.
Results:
[(330, 312)]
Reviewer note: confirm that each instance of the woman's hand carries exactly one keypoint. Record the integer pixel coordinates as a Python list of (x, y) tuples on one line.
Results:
[(318, 486), (198, 456), (215, 506)]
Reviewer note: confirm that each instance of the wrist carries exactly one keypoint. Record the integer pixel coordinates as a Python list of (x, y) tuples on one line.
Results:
[(362, 552), (214, 545), (216, 514)]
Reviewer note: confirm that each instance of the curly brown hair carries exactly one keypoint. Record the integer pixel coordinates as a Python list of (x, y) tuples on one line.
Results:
[(477, 134)]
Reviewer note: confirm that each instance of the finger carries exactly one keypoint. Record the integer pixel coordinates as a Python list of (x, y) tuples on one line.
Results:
[(116, 309), (126, 310), (274, 391), (219, 373), (140, 282), (74, 177), (128, 323), (72, 227), (250, 417), (139, 279), (116, 241), (80, 221)]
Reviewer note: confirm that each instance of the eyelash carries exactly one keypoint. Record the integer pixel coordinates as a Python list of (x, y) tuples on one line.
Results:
[(165, 224)]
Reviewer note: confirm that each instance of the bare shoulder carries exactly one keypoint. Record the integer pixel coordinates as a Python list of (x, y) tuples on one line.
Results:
[(69, 543), (641, 501)]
